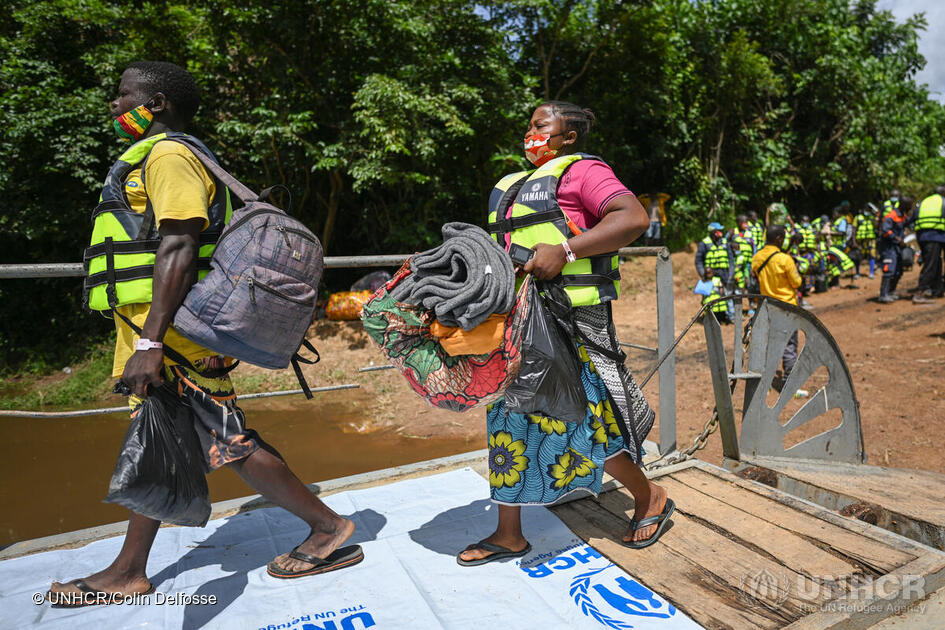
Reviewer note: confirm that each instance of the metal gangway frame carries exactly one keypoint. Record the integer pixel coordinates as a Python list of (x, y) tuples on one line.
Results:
[(665, 318)]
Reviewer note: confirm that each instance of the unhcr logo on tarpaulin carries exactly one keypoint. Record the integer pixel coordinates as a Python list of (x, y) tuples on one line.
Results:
[(891, 593)]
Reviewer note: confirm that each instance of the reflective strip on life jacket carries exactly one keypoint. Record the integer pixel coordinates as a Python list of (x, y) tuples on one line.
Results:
[(865, 227), (716, 256), (931, 214), (846, 263), (720, 306)]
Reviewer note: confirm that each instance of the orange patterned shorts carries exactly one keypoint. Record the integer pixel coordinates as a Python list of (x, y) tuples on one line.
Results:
[(220, 424)]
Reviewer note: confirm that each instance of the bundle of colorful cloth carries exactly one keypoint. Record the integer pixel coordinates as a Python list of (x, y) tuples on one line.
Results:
[(451, 321)]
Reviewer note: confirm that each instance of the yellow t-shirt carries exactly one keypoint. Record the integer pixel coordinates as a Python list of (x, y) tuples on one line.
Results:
[(779, 279), (180, 188)]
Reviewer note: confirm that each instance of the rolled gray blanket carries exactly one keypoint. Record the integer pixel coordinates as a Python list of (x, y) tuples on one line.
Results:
[(463, 281)]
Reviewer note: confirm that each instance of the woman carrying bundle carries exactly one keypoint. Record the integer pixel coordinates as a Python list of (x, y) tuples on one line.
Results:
[(574, 213)]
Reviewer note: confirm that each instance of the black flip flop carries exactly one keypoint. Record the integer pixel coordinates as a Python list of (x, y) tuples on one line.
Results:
[(88, 596), (498, 553), (660, 520), (338, 559)]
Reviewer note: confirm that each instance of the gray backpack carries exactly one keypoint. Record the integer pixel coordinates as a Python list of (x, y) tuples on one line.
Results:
[(258, 300)]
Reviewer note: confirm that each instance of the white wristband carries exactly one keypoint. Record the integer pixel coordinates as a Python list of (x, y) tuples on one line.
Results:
[(568, 253), (147, 344)]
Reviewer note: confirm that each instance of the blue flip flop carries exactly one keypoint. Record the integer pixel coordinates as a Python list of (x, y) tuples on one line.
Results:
[(660, 520)]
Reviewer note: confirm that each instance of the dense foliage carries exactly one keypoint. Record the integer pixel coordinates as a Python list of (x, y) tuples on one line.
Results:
[(387, 118)]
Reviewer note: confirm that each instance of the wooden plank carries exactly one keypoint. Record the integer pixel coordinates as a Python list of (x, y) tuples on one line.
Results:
[(873, 603), (914, 493), (924, 615), (690, 588), (750, 524), (734, 564), (876, 554)]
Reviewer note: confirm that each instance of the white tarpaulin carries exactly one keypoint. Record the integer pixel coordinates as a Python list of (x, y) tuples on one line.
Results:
[(410, 532)]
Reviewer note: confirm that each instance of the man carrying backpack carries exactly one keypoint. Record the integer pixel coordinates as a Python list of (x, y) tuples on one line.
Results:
[(160, 206)]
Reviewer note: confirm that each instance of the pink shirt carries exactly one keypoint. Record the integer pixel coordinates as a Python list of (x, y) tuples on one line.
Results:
[(584, 191)]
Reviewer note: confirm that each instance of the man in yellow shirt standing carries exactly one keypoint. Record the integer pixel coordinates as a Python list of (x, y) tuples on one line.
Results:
[(778, 277), (162, 186)]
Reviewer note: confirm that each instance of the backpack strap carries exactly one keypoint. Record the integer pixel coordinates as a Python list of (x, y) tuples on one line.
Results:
[(298, 358), (242, 191)]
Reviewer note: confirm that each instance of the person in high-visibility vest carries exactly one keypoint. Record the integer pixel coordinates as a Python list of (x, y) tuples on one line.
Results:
[(864, 238), (929, 226), (757, 229), (743, 246), (716, 252), (711, 288), (574, 213), (164, 180), (837, 264)]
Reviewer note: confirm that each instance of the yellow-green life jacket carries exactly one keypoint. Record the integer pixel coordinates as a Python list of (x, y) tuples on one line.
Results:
[(931, 214), (536, 217), (720, 306), (120, 258), (716, 256), (845, 262), (757, 233), (865, 226), (810, 238)]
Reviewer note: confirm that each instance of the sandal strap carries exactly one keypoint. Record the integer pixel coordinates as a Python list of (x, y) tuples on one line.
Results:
[(488, 546), (646, 522), (83, 586), (654, 520), (295, 554)]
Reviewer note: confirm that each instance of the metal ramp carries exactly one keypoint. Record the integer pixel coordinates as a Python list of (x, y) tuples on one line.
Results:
[(740, 554)]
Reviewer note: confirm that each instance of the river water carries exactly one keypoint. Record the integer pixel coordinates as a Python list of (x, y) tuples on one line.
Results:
[(54, 473)]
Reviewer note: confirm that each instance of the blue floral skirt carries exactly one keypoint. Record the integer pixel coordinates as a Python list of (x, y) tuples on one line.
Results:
[(537, 460)]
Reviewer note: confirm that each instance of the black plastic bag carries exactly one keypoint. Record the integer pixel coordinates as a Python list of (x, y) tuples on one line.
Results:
[(160, 472), (549, 380)]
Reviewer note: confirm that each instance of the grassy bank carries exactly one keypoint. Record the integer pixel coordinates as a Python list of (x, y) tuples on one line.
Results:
[(86, 382), (89, 383)]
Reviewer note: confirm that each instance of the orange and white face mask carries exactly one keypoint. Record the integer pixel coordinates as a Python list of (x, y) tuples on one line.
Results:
[(537, 150)]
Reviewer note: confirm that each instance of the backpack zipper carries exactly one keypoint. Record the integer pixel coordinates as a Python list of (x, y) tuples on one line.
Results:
[(252, 293), (243, 219), (301, 233), (281, 229)]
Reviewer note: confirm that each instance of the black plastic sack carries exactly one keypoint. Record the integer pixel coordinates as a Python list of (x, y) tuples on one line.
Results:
[(908, 258), (160, 471), (549, 381)]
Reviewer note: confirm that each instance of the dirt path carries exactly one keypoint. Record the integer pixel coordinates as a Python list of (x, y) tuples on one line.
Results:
[(894, 352)]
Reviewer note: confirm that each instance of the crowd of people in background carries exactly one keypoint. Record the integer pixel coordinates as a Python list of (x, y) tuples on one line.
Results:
[(828, 248)]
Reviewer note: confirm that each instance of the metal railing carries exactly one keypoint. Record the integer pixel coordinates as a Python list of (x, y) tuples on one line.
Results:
[(665, 325)]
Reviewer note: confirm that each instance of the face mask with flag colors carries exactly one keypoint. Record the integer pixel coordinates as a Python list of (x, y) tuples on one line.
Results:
[(537, 150), (131, 125)]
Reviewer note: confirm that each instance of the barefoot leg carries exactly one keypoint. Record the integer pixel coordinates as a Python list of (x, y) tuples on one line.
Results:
[(649, 499), (508, 533), (271, 477), (128, 572)]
